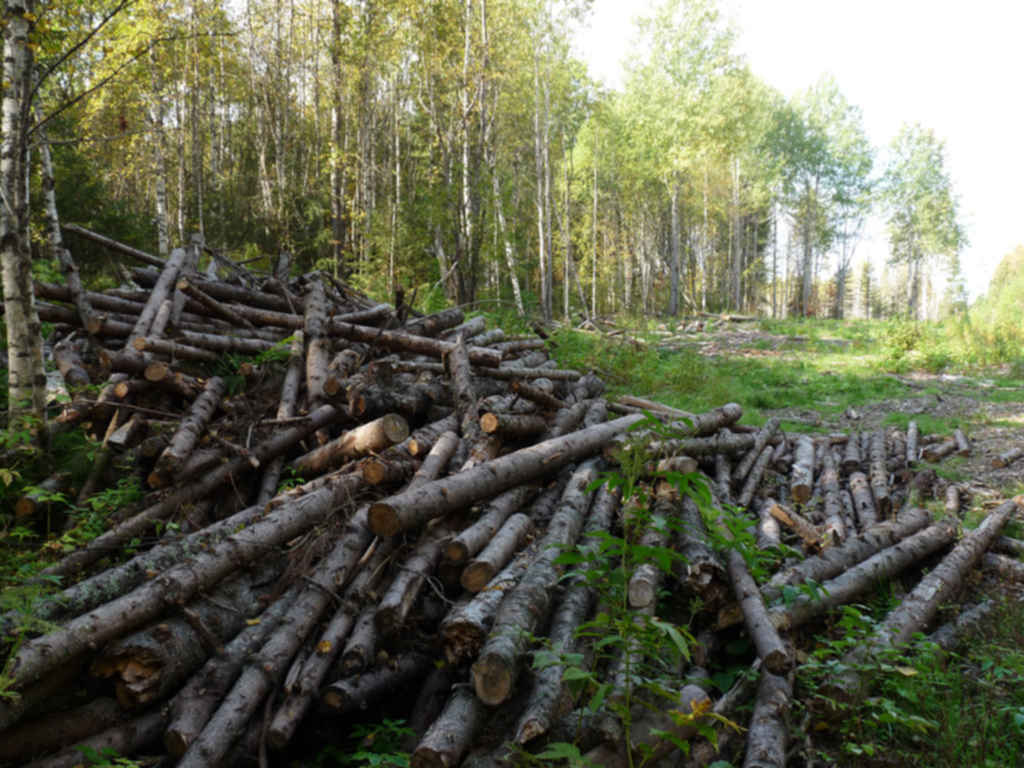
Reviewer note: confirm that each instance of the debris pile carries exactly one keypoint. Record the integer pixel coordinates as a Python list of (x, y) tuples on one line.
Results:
[(354, 509)]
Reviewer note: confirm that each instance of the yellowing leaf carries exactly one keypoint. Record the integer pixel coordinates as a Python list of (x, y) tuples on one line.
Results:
[(252, 622), (324, 647), (906, 671)]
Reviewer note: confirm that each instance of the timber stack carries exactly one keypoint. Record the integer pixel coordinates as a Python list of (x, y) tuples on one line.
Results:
[(354, 511)]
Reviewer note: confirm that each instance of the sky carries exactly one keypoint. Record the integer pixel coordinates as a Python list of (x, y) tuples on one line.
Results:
[(950, 65)]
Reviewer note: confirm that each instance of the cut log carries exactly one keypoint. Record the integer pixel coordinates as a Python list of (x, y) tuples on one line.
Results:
[(537, 395), (464, 630), (215, 307), (913, 438), (286, 409), (768, 532), (396, 603), (475, 537), (963, 446), (879, 474), (452, 734), (318, 345), (801, 482), (56, 731), (199, 698), (753, 478), (952, 506), (125, 740), (768, 735), (1007, 546), (949, 635), (863, 576), (496, 669), (920, 606), (268, 667), (509, 539), (863, 500), (851, 455), (936, 453), (407, 342), (415, 507), (1006, 568), (433, 325), (393, 679), (295, 513), (1007, 458), (810, 534), (760, 441), (513, 426), (39, 501), (372, 437), (834, 560), (185, 438), (150, 664), (114, 245)]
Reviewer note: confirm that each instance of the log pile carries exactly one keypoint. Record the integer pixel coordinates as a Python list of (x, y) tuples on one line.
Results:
[(351, 512)]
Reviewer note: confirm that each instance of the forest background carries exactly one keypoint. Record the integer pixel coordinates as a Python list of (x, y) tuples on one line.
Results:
[(460, 149)]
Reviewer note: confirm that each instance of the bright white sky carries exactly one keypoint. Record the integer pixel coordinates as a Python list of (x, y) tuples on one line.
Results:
[(951, 65)]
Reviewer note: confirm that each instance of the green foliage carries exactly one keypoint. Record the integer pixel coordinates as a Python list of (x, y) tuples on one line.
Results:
[(924, 707), (106, 758), (648, 649), (377, 746)]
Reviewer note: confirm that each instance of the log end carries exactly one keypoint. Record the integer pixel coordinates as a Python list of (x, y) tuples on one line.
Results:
[(375, 471), (395, 427), (475, 576), (455, 551), (177, 742), (24, 507), (489, 423), (156, 371), (384, 520), (801, 493), (492, 679)]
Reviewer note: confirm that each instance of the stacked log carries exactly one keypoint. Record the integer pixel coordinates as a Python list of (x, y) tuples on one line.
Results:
[(442, 526)]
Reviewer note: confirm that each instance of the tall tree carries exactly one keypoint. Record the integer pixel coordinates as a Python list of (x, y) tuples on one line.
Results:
[(26, 377), (923, 213)]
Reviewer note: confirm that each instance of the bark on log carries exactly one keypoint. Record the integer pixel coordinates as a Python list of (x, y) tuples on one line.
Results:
[(69, 363), (474, 538), (949, 635), (754, 477), (150, 664), (864, 576), (267, 668), (851, 455), (760, 441), (422, 440), (125, 740), (913, 438), (963, 446), (801, 482), (371, 437), (1006, 546), (952, 506), (920, 606), (834, 525), (199, 698), (286, 409), (138, 524), (768, 532), (467, 330), (1007, 568), (185, 438), (464, 630), (768, 734), (393, 679), (702, 571), (1007, 458), (224, 291), (305, 687), (405, 342), (537, 395), (513, 426), (318, 346), (549, 698), (407, 510), (936, 453), (56, 731), (509, 539), (863, 500), (295, 513), (162, 290), (774, 654), (835, 560), (451, 735), (879, 474), (497, 667), (393, 611), (433, 325), (215, 307)]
